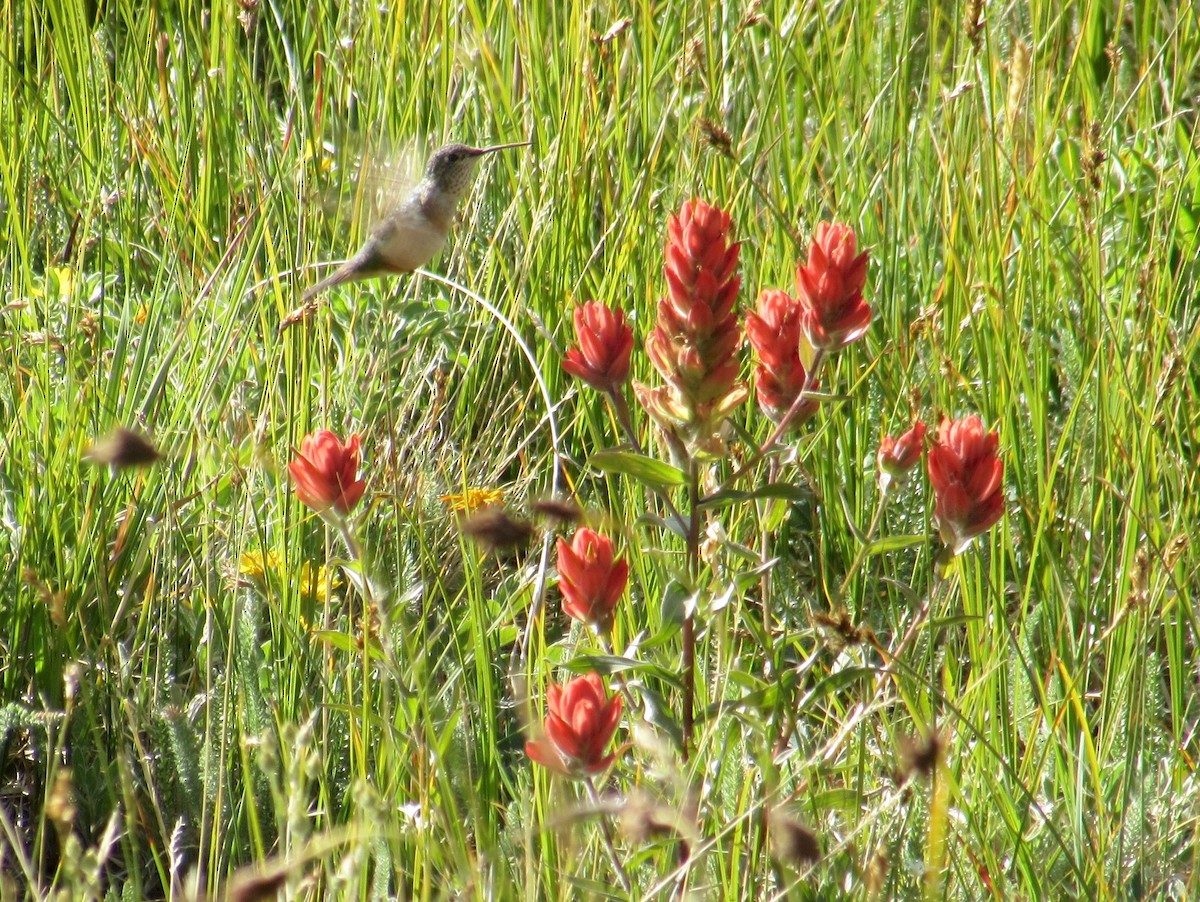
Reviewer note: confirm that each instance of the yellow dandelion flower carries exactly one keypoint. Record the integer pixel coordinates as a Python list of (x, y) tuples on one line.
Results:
[(472, 499)]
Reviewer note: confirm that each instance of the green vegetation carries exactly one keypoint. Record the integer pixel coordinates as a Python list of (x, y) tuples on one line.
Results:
[(194, 682)]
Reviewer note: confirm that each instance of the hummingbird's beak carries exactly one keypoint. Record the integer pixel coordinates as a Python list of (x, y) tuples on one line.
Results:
[(495, 147)]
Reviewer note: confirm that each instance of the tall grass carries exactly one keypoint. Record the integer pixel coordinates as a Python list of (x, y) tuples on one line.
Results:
[(1028, 179)]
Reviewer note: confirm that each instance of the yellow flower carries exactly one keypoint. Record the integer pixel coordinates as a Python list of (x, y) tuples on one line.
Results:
[(254, 565), (315, 582), (472, 499)]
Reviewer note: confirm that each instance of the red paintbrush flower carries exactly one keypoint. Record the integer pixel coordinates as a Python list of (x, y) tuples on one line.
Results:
[(605, 343), (590, 580), (774, 333), (899, 455), (580, 722), (695, 340), (326, 472), (967, 476), (830, 285)]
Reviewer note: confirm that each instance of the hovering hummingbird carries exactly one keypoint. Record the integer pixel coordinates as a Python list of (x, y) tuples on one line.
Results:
[(418, 228)]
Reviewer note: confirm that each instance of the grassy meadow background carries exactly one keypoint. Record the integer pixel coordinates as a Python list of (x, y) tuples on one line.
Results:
[(184, 692)]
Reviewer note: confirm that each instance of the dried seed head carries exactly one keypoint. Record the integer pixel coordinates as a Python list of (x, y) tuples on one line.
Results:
[(974, 23), (838, 630), (562, 511), (643, 819), (921, 756), (60, 807), (791, 841), (255, 886), (123, 448), (494, 529), (1173, 550), (717, 137), (876, 873)]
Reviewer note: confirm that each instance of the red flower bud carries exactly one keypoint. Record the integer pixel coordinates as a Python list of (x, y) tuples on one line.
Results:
[(580, 722), (899, 455), (590, 580), (325, 472), (830, 285), (605, 344), (967, 476)]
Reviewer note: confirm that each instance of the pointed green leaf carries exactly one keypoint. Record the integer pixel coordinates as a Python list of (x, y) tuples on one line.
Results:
[(647, 470)]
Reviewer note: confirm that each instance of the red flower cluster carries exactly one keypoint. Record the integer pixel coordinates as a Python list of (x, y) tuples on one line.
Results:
[(830, 285), (326, 472), (774, 333), (580, 722), (605, 344), (967, 475), (590, 580), (695, 341)]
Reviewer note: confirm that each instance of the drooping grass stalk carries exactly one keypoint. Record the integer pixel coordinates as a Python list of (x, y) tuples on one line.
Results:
[(539, 590)]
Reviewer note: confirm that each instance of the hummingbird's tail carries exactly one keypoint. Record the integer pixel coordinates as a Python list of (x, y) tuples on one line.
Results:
[(347, 272)]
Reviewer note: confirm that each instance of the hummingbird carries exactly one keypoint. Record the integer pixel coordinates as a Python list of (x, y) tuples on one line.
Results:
[(416, 230)]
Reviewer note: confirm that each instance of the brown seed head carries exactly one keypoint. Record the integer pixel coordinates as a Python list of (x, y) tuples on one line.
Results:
[(791, 841), (494, 529), (123, 448)]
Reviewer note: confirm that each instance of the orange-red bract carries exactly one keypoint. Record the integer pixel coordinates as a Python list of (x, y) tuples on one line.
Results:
[(830, 285), (590, 580), (326, 472), (580, 722), (967, 478), (774, 333), (604, 346)]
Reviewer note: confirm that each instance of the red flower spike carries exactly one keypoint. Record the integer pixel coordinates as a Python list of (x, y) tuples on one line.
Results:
[(590, 580), (326, 472), (580, 722), (899, 455), (830, 286), (694, 343), (967, 477), (605, 343), (774, 333)]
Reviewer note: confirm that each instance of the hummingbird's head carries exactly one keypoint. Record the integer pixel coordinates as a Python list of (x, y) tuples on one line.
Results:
[(452, 167)]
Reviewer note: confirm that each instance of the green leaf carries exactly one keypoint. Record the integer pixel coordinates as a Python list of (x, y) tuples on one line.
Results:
[(895, 543), (607, 665), (658, 713), (677, 603), (782, 491), (347, 643), (644, 469)]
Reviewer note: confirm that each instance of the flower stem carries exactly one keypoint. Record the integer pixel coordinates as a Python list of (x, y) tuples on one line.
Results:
[(863, 548), (689, 617), (606, 835), (805, 394)]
